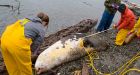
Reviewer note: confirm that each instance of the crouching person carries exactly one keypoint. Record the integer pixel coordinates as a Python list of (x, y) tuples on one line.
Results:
[(125, 24), (16, 42), (134, 32)]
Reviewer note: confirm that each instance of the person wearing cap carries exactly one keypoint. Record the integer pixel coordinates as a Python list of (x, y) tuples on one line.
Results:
[(108, 14), (17, 41), (126, 24)]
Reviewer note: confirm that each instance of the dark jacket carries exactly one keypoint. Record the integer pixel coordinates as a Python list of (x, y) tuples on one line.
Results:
[(108, 5), (36, 31)]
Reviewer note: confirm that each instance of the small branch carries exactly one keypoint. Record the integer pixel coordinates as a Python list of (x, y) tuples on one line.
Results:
[(9, 6), (18, 7)]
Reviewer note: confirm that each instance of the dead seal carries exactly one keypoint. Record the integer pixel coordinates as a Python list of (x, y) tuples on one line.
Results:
[(67, 49)]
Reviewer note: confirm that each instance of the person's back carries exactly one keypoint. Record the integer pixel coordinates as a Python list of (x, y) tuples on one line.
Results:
[(127, 20), (35, 31)]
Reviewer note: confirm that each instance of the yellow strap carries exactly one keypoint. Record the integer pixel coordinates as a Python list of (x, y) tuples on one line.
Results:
[(81, 42), (24, 21)]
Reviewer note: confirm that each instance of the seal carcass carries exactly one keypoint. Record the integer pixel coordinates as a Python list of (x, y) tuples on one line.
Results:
[(67, 49)]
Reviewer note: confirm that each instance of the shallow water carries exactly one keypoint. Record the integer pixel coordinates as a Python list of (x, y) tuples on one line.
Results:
[(62, 13)]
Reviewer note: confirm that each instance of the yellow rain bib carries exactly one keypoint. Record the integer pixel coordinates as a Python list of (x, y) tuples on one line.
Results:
[(16, 49), (137, 27), (121, 36)]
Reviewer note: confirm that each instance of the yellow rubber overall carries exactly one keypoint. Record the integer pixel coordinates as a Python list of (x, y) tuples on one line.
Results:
[(121, 36), (16, 49), (136, 28)]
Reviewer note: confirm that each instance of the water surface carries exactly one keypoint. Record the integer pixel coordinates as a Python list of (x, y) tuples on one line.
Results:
[(62, 13)]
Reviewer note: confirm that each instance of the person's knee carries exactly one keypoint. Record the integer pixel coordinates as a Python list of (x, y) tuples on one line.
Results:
[(128, 39)]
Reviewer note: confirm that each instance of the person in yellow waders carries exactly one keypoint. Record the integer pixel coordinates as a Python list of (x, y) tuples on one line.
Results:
[(134, 32), (125, 24), (136, 28), (17, 41)]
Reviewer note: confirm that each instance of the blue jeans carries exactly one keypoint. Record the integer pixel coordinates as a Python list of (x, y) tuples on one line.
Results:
[(106, 21)]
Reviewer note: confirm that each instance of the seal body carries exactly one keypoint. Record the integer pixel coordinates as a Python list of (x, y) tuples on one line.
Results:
[(67, 49)]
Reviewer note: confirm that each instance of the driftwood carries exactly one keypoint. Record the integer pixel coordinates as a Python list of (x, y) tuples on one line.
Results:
[(14, 8), (8, 6)]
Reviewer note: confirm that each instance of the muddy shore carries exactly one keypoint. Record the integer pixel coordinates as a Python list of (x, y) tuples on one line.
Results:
[(109, 60)]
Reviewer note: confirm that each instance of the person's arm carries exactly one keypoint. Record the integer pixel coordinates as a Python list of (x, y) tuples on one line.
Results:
[(36, 32), (120, 21), (125, 21), (37, 44), (107, 3)]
